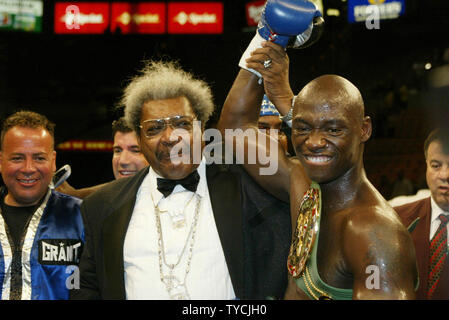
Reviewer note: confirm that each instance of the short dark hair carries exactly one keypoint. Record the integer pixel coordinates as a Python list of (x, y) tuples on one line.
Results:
[(27, 119), (120, 125), (440, 134)]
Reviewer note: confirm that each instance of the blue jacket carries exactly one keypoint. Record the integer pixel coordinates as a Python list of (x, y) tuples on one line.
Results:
[(51, 250)]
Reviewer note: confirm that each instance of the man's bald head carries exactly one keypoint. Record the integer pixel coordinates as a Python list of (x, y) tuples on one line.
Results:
[(329, 128), (334, 91)]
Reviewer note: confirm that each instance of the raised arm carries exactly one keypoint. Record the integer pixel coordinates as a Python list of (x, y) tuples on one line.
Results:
[(241, 111), (242, 106), (281, 22), (276, 77)]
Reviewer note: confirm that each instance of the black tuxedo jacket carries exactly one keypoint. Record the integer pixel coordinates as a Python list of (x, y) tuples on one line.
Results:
[(416, 216), (254, 230)]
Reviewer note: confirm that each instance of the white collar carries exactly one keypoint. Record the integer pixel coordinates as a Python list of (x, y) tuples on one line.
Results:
[(149, 184), (436, 210)]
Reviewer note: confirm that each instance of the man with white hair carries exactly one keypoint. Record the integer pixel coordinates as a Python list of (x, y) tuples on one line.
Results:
[(180, 229)]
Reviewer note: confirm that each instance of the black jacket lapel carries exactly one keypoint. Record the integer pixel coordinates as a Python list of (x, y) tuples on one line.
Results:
[(225, 196), (114, 232)]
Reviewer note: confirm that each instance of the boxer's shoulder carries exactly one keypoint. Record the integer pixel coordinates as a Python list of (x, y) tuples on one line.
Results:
[(372, 224)]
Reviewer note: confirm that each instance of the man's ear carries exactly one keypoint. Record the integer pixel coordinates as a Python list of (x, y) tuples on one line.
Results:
[(54, 162), (367, 128)]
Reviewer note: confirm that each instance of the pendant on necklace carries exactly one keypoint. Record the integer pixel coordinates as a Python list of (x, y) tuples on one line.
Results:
[(175, 288), (178, 220)]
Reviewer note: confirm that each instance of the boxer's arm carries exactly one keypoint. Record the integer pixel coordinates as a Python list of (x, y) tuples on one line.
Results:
[(275, 78), (241, 111), (242, 105), (247, 92), (379, 253), (281, 21)]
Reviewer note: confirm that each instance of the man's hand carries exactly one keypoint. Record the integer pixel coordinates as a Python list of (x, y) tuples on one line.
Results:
[(289, 23), (276, 76)]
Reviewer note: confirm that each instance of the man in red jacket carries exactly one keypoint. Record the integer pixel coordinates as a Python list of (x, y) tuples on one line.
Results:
[(426, 220)]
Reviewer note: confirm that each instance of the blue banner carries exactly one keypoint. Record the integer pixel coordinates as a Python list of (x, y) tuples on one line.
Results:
[(361, 10)]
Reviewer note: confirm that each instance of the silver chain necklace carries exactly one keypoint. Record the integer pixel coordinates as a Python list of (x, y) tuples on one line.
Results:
[(177, 289)]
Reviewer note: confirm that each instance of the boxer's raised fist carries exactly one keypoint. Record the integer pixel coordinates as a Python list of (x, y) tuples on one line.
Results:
[(290, 23)]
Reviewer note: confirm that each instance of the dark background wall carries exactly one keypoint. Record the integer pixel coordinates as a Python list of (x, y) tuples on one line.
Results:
[(76, 80)]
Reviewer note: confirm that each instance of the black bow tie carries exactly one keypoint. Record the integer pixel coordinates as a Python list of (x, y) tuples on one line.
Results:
[(166, 186)]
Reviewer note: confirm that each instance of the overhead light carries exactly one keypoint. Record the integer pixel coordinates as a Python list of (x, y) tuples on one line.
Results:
[(333, 12), (427, 66)]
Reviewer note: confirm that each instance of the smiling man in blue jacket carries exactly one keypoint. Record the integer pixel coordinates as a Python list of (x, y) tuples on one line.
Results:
[(41, 230)]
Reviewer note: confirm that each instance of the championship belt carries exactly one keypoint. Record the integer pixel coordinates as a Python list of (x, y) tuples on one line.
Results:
[(307, 226)]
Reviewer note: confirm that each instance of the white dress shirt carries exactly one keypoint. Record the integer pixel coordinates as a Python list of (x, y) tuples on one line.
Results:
[(208, 277), (435, 221)]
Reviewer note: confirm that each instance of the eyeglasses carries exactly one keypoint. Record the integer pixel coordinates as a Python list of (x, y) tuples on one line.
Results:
[(153, 127)]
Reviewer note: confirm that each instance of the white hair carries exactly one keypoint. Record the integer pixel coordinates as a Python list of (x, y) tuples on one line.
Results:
[(165, 80)]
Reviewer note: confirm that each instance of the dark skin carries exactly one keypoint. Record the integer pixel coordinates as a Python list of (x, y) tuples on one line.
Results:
[(358, 228)]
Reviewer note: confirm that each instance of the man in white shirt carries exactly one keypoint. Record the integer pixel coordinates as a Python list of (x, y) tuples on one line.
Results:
[(180, 230), (423, 219)]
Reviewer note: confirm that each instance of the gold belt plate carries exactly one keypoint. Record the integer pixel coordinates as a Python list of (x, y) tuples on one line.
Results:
[(307, 226)]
